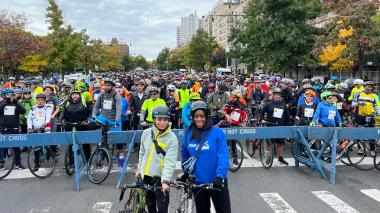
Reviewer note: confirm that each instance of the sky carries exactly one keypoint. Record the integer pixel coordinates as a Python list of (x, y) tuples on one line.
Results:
[(148, 25)]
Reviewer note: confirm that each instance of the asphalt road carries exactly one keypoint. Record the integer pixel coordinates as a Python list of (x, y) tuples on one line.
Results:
[(252, 189)]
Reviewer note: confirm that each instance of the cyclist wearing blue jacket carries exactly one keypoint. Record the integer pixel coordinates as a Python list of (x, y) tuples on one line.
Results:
[(212, 162), (327, 114), (186, 110)]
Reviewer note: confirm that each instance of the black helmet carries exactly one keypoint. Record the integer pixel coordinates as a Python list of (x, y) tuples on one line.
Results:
[(161, 112), (221, 84), (109, 81), (40, 95), (199, 105)]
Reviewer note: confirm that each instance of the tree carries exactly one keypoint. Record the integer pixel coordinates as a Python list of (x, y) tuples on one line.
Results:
[(218, 58), (140, 61), (200, 50), (128, 62), (33, 63), (163, 59), (356, 28), (15, 42), (113, 58), (276, 33), (177, 58)]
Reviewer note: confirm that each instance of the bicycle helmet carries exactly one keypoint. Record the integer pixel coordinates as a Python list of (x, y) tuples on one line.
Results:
[(27, 90), (8, 92), (79, 84), (171, 88), (194, 96), (183, 82), (237, 92), (199, 105), (306, 80), (109, 81), (358, 81), (11, 79), (97, 85), (140, 82), (48, 86), (161, 112), (334, 78), (75, 91), (221, 84), (369, 83), (18, 91), (325, 95), (40, 95), (285, 81), (329, 86), (66, 84), (211, 86), (343, 85), (310, 93), (276, 90), (153, 89)]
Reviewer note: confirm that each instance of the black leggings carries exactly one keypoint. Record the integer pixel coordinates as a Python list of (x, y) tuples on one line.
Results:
[(221, 200), (156, 201)]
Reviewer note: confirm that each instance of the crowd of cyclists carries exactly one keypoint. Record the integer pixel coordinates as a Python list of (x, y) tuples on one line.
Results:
[(198, 102)]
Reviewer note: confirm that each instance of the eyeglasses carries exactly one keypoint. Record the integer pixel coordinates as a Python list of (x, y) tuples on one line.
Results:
[(153, 93), (26, 93)]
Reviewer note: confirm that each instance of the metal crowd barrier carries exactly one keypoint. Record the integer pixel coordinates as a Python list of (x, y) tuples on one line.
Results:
[(300, 135)]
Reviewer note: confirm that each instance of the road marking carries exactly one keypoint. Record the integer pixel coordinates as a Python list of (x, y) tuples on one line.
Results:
[(44, 210), (334, 202), (372, 193), (102, 207), (277, 203)]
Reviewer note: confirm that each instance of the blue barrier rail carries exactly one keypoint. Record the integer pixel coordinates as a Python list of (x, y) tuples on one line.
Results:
[(300, 135)]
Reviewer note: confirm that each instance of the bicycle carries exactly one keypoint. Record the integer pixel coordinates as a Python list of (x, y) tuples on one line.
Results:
[(7, 157), (136, 202), (252, 144), (41, 159), (376, 159)]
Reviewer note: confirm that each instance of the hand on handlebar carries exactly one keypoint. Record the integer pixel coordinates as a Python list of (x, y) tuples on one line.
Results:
[(143, 123)]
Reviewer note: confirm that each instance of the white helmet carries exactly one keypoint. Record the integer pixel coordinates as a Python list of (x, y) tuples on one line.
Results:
[(343, 85), (358, 81)]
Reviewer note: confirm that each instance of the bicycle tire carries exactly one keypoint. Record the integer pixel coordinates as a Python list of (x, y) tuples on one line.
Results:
[(250, 146), (69, 169), (46, 162), (104, 155), (240, 155), (376, 159), (9, 164), (266, 157), (357, 162)]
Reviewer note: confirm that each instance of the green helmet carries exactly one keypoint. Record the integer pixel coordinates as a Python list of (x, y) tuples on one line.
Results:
[(161, 112), (76, 90), (79, 84), (325, 95)]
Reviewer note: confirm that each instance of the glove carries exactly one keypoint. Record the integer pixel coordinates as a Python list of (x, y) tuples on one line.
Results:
[(342, 125), (312, 124), (183, 177), (218, 183), (143, 123)]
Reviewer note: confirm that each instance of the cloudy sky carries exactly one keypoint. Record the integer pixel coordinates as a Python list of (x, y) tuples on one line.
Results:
[(149, 25)]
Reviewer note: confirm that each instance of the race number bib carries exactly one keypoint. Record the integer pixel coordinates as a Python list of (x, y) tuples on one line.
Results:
[(96, 96), (107, 104), (339, 106), (235, 116), (277, 113), (368, 119), (309, 112), (9, 110), (332, 115), (40, 116)]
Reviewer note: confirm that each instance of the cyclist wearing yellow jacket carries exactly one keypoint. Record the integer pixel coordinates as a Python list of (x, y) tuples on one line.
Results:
[(149, 105), (183, 94), (358, 87), (366, 103)]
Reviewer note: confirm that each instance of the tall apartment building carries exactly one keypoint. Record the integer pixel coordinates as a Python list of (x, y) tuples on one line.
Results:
[(187, 29)]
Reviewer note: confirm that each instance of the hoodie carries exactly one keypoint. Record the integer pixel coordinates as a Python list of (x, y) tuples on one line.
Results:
[(327, 114)]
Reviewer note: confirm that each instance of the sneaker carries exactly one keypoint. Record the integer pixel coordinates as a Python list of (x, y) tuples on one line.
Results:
[(268, 161), (2, 167), (281, 160), (20, 167), (120, 162), (36, 167), (372, 153), (235, 161)]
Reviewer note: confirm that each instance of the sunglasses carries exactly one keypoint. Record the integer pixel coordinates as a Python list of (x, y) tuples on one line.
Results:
[(153, 93), (26, 93)]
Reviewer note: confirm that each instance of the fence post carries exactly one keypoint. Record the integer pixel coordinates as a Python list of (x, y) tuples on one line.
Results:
[(334, 143), (76, 163), (125, 165)]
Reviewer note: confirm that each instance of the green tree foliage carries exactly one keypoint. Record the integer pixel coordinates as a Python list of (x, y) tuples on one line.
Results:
[(163, 59), (276, 33), (200, 50)]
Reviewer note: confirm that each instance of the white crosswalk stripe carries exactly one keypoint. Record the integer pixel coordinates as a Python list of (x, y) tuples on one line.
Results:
[(372, 193), (43, 210), (334, 202), (277, 203), (102, 207)]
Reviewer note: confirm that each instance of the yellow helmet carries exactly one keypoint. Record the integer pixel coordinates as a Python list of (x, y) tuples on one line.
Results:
[(195, 96)]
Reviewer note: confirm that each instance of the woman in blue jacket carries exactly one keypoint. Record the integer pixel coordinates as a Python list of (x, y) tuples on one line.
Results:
[(212, 161), (327, 114)]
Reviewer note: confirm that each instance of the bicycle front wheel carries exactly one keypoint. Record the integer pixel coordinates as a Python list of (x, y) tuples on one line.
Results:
[(41, 162), (100, 165), (7, 161), (266, 153), (69, 161), (359, 156), (376, 159), (250, 145), (236, 155)]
